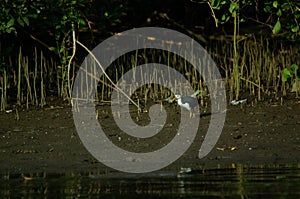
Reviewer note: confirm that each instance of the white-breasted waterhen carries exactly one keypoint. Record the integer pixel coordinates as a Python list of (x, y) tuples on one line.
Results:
[(187, 102)]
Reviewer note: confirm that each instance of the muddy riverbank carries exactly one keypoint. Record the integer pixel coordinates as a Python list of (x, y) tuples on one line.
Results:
[(46, 139)]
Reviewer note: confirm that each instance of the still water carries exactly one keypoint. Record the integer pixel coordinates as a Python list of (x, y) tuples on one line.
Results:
[(238, 181)]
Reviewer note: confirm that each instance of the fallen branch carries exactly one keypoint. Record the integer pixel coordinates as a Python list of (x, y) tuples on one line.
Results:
[(115, 86)]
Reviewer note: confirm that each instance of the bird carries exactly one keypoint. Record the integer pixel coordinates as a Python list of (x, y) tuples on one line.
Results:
[(187, 102)]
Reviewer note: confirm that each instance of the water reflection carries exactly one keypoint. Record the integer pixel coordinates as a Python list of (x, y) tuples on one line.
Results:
[(238, 181)]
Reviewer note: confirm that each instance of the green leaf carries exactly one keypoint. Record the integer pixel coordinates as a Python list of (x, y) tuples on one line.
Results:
[(65, 17), (81, 22), (20, 21), (25, 19), (233, 14), (9, 30), (294, 68), (106, 14), (278, 13), (215, 4), (285, 6), (10, 23), (62, 49), (233, 7), (295, 29), (54, 49), (34, 16), (275, 4), (267, 9), (277, 27), (225, 18), (286, 74)]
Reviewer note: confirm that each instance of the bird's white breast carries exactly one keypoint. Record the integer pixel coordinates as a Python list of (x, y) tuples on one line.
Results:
[(185, 105)]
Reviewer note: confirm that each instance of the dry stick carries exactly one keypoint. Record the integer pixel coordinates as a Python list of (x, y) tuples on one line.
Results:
[(14, 72), (2, 93), (70, 61), (103, 88), (35, 76), (42, 82), (86, 90), (117, 78), (5, 88), (19, 78), (97, 94), (243, 63), (28, 81), (235, 64), (26, 74), (93, 56), (62, 86), (17, 117)]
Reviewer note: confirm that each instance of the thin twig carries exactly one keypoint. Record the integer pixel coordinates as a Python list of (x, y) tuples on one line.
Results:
[(251, 83), (213, 14), (198, 36), (36, 39), (211, 9), (96, 78), (260, 22)]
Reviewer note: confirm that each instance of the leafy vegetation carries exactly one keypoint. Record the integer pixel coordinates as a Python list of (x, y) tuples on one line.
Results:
[(290, 73), (281, 17)]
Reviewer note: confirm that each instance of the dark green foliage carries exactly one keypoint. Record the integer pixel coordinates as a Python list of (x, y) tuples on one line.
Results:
[(49, 25), (281, 16)]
